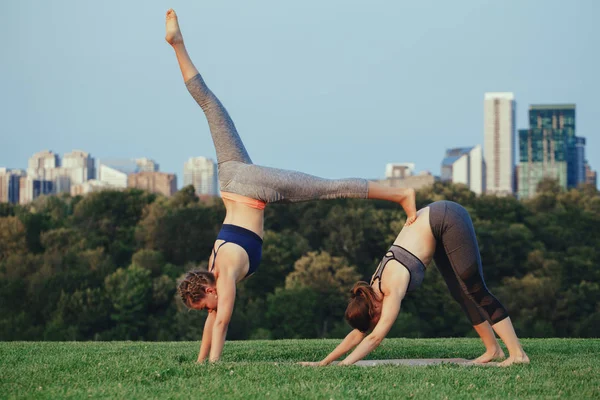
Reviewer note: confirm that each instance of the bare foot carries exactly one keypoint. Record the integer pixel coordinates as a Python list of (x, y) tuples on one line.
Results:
[(173, 36), (489, 356), (408, 203), (520, 359)]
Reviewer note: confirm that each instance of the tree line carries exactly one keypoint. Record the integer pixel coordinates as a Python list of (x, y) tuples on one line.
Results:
[(106, 266)]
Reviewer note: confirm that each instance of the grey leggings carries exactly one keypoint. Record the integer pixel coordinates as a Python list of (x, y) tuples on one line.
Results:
[(458, 260), (238, 175)]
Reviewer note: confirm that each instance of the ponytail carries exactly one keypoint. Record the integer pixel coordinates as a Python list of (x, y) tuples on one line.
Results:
[(361, 308)]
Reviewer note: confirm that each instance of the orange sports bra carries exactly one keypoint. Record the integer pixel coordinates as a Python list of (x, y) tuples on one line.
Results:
[(259, 205)]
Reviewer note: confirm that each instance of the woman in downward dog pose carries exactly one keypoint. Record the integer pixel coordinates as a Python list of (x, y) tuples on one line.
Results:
[(443, 231), (246, 188)]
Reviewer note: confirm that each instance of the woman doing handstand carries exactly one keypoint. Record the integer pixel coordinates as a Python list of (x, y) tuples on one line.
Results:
[(246, 188)]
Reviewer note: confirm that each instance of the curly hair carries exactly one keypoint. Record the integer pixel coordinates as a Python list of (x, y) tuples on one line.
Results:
[(193, 287)]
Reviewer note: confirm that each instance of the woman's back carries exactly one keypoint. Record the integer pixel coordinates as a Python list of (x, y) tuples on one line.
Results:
[(417, 238)]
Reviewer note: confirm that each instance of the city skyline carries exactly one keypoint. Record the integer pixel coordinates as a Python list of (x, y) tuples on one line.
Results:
[(439, 172), (466, 165), (405, 85)]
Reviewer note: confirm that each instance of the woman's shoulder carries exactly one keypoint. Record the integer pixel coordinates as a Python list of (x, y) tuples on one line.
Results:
[(395, 277)]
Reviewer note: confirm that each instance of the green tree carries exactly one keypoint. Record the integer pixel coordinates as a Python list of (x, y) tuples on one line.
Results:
[(183, 234), (431, 311), (323, 273), (531, 302), (294, 313), (7, 210), (79, 316), (12, 237), (360, 234), (151, 260), (330, 278), (504, 248), (108, 219), (280, 251), (578, 311), (130, 294), (62, 240)]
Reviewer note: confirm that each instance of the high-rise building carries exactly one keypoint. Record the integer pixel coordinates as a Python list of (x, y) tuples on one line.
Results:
[(549, 148), (201, 172), (81, 164), (10, 185), (41, 165), (464, 165), (399, 170), (499, 143), (76, 167), (590, 175), (146, 165), (579, 162), (31, 188), (155, 182)]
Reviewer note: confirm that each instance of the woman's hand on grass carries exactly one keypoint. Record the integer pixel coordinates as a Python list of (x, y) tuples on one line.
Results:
[(310, 363)]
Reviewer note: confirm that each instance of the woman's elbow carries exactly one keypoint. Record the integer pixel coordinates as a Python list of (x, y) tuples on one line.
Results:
[(375, 340), (221, 323)]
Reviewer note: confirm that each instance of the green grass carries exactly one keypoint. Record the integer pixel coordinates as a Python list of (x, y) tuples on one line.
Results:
[(560, 368)]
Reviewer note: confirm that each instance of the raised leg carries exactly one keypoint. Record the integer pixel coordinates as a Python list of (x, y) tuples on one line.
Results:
[(273, 185), (228, 144)]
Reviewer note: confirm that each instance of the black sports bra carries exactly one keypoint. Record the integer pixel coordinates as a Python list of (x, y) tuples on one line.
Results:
[(415, 267)]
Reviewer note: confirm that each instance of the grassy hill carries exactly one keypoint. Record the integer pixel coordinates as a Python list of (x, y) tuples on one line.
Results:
[(560, 368)]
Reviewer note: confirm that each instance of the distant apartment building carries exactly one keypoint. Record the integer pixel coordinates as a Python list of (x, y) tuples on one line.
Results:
[(155, 182), (402, 175), (550, 149), (115, 172), (146, 165), (75, 168), (42, 165), (90, 186), (399, 170), (10, 185), (417, 181), (464, 165), (201, 172), (81, 166), (590, 175), (31, 188), (499, 143), (114, 177)]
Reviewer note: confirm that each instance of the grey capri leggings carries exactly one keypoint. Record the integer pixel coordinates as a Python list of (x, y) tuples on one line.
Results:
[(458, 260), (238, 175)]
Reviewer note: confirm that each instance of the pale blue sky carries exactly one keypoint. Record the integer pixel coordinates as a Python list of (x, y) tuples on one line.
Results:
[(333, 88)]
